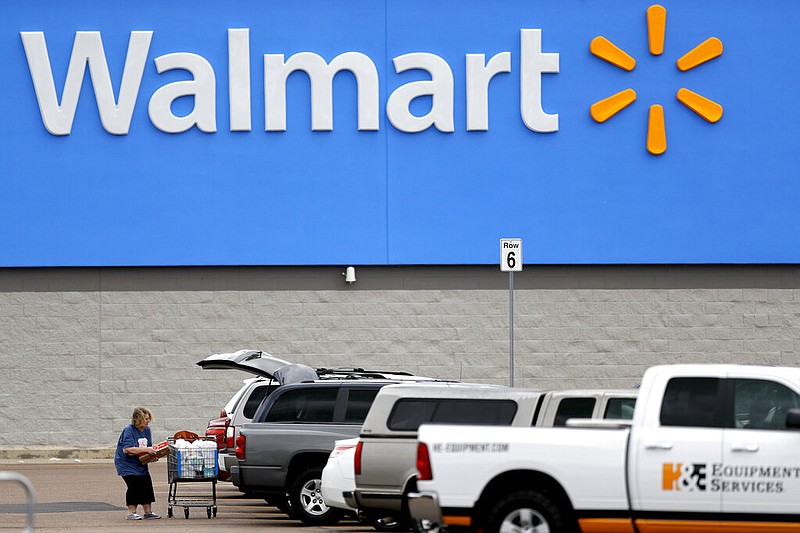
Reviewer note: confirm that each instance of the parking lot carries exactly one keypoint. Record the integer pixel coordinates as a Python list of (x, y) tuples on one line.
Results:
[(89, 496)]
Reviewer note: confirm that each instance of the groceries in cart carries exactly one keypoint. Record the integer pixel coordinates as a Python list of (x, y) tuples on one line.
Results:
[(197, 459), (192, 461)]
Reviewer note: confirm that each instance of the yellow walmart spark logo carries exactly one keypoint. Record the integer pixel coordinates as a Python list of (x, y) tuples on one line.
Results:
[(656, 29)]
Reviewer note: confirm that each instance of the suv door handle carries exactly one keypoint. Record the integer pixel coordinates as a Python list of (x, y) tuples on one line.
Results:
[(663, 445), (744, 448)]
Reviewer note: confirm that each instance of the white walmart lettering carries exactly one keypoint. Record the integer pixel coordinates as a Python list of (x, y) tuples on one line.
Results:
[(116, 113)]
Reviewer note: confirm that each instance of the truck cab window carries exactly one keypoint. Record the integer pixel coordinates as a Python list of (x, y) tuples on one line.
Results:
[(762, 404), (693, 402), (358, 403)]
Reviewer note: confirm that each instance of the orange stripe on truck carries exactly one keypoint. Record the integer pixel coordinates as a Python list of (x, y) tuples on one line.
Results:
[(463, 521), (605, 525), (621, 525), (695, 526)]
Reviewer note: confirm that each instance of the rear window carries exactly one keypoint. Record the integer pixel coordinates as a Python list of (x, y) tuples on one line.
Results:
[(304, 405), (620, 408), (408, 413), (358, 404), (257, 395), (574, 408)]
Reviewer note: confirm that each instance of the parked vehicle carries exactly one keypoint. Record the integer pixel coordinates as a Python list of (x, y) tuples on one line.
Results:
[(338, 476), (270, 372), (242, 406), (710, 448), (384, 460), (282, 452)]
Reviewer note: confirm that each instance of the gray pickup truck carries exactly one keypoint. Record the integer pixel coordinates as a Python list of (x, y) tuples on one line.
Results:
[(281, 454)]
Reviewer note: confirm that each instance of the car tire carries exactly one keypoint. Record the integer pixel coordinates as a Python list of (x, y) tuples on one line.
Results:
[(527, 510), (306, 500), (282, 503)]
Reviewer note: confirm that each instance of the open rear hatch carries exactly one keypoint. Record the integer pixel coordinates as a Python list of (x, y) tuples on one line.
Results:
[(261, 364), (250, 361)]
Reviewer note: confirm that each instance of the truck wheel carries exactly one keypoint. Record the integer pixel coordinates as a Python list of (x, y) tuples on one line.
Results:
[(282, 503), (306, 500), (526, 510)]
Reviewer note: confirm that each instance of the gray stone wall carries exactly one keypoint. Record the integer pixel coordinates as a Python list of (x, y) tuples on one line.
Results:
[(80, 347)]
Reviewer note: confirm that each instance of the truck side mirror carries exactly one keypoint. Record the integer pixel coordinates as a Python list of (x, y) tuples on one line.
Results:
[(793, 419)]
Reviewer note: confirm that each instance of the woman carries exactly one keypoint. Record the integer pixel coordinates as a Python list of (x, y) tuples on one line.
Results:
[(135, 440)]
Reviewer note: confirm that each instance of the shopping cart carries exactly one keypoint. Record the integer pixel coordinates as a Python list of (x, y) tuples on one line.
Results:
[(194, 468)]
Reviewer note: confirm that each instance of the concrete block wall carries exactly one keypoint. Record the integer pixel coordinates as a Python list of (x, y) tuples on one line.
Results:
[(79, 348)]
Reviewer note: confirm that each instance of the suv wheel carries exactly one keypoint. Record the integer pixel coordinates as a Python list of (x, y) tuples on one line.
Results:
[(306, 500)]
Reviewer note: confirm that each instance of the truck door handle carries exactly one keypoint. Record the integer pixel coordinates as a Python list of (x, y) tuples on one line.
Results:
[(744, 448), (663, 445)]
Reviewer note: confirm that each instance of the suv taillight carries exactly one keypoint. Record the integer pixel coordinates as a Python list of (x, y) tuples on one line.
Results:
[(357, 458), (240, 441), (424, 472), (230, 437)]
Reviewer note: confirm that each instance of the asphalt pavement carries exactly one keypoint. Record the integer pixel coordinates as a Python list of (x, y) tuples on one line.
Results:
[(88, 496)]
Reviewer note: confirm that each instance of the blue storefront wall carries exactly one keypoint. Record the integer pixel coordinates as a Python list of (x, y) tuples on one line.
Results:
[(217, 193)]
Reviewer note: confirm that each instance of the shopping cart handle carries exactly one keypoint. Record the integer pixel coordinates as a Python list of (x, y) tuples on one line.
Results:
[(31, 494)]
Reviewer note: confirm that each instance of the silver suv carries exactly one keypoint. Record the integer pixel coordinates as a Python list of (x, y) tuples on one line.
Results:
[(385, 456), (271, 373)]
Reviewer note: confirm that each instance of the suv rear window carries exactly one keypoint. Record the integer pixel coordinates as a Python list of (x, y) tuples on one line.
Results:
[(304, 405), (254, 400), (573, 408), (408, 413)]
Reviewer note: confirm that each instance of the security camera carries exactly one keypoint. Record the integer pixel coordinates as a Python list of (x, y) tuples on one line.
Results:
[(349, 274)]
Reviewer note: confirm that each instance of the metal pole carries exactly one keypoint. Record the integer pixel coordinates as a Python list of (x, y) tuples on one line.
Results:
[(511, 327)]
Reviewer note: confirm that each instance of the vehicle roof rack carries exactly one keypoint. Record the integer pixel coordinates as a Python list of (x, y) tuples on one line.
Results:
[(357, 373)]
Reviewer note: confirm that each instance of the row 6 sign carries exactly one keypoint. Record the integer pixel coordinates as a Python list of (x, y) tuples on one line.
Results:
[(511, 255)]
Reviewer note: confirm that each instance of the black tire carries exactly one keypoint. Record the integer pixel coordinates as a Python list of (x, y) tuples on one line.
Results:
[(169, 512), (306, 500), (186, 512), (282, 503), (527, 510)]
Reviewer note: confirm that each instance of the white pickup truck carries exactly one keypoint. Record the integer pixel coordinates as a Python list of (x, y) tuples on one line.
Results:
[(710, 448)]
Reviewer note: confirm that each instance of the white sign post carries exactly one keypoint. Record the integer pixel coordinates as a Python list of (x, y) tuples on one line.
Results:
[(511, 261)]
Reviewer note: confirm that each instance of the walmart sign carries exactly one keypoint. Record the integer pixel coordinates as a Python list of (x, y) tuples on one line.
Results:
[(397, 132)]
